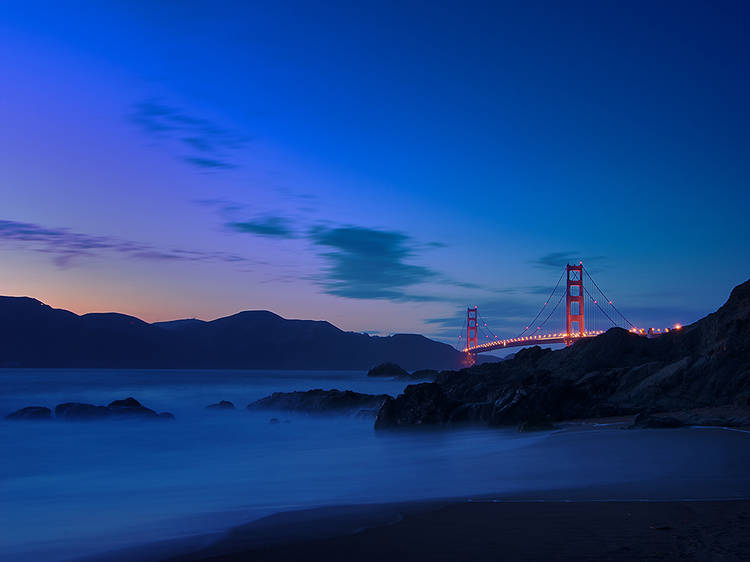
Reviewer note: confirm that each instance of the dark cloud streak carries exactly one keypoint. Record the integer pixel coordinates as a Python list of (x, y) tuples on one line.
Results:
[(365, 263), (198, 141), (272, 226), (66, 246)]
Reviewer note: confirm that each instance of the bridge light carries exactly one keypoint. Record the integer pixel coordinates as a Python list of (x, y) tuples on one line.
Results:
[(677, 326)]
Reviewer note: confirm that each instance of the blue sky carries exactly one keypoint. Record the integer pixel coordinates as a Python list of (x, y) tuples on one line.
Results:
[(380, 165)]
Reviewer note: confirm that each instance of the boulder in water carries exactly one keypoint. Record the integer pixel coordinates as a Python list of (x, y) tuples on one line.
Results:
[(75, 411), (130, 407), (31, 413), (223, 405), (319, 401), (387, 370)]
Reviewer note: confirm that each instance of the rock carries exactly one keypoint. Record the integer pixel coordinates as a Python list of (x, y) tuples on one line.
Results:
[(223, 405), (319, 401), (387, 370), (75, 411), (30, 413), (424, 374), (424, 403), (131, 408), (656, 422), (370, 413), (619, 373), (529, 426)]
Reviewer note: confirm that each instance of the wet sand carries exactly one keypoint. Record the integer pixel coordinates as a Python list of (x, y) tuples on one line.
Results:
[(497, 530)]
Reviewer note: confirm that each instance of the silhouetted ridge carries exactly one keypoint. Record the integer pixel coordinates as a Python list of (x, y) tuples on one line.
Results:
[(33, 334)]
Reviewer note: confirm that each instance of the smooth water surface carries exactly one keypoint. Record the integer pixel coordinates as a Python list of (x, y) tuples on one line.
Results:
[(71, 489)]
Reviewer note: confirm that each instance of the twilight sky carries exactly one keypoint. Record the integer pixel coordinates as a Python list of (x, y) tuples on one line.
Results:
[(377, 164)]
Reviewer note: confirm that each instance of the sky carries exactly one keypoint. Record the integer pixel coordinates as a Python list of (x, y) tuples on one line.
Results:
[(381, 165)]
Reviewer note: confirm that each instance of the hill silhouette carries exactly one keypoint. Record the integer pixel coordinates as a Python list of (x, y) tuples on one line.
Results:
[(33, 334)]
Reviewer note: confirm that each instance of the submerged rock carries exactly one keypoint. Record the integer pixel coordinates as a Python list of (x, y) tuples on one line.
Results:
[(75, 411), (130, 407), (319, 401), (387, 370), (223, 405), (31, 413)]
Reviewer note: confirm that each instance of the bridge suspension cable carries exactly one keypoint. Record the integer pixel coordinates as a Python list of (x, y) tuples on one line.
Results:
[(584, 315), (599, 306), (608, 300), (549, 298)]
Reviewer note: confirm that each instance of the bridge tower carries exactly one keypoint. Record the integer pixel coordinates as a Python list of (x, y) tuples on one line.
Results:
[(574, 301), (472, 327)]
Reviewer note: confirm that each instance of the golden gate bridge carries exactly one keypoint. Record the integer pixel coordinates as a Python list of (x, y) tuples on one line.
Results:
[(586, 315)]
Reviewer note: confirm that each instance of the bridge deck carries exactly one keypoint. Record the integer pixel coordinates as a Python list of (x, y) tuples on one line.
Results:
[(530, 340), (557, 338)]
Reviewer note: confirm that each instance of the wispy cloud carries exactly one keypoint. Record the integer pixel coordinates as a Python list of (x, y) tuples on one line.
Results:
[(365, 263), (196, 140), (269, 226), (359, 262), (66, 246), (556, 260)]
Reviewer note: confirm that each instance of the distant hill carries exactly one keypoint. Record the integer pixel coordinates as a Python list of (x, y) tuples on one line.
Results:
[(33, 334)]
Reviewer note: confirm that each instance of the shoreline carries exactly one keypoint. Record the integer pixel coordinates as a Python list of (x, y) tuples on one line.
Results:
[(326, 531), (521, 529)]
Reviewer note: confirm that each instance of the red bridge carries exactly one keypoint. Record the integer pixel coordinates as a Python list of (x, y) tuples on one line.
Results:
[(581, 307)]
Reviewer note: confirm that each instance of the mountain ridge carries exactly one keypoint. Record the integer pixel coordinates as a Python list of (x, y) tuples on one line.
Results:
[(34, 334)]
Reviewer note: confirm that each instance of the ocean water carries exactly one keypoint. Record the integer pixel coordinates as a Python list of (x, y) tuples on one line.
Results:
[(77, 489)]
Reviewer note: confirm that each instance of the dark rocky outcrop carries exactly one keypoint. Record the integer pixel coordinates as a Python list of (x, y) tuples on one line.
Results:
[(424, 374), (387, 370), (77, 411), (31, 413), (424, 403), (130, 408), (223, 405), (706, 364), (320, 401)]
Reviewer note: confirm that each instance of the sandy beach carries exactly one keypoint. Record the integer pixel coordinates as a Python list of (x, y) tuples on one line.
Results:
[(489, 530)]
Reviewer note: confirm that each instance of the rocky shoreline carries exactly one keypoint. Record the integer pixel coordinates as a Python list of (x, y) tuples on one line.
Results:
[(700, 375)]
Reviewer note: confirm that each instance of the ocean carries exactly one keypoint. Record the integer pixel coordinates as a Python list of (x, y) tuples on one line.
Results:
[(74, 489)]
